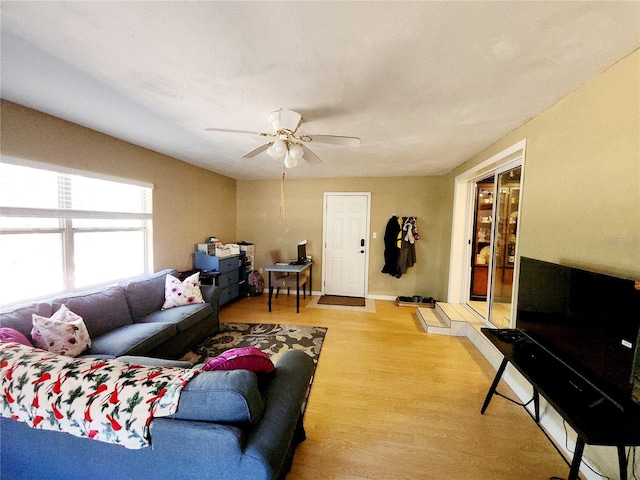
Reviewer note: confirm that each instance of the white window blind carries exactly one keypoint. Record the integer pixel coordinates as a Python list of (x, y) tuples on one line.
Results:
[(23, 189)]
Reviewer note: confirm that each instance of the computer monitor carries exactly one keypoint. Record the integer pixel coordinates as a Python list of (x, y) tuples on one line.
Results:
[(302, 253)]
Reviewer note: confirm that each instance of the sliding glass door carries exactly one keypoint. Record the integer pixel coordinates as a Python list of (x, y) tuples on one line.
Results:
[(493, 252)]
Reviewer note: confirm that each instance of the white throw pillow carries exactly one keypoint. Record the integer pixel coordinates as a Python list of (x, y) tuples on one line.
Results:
[(177, 293), (64, 333)]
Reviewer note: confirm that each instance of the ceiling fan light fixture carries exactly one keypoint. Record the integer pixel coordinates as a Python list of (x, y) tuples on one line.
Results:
[(295, 150), (290, 161), (287, 146), (273, 154), (278, 149)]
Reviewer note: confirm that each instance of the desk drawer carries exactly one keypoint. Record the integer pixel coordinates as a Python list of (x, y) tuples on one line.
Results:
[(229, 264), (229, 293), (228, 279)]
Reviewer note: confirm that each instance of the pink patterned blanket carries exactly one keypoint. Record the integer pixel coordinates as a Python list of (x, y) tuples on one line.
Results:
[(104, 400)]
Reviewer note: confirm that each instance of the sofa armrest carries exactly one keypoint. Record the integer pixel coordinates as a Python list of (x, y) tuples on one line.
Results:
[(283, 400), (211, 294), (191, 449)]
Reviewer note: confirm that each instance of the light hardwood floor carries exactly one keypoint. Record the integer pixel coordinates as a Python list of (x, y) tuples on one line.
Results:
[(390, 402)]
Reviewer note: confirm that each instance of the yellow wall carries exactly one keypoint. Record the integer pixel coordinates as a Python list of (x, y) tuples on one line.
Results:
[(581, 191), (259, 223), (189, 203)]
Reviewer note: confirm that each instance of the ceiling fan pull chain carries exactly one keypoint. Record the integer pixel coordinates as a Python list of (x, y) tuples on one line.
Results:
[(281, 213)]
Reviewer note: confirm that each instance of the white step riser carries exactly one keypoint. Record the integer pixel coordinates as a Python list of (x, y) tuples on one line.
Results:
[(454, 327)]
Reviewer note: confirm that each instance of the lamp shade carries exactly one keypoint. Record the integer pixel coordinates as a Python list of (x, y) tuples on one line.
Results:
[(290, 161), (277, 150), (280, 147), (295, 150)]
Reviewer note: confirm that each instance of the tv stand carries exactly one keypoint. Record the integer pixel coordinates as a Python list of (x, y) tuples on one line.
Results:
[(595, 419)]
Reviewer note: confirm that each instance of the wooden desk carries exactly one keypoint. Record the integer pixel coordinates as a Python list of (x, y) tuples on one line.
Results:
[(297, 269), (596, 420)]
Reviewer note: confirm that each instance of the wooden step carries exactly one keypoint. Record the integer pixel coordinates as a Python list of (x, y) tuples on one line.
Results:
[(447, 319), (432, 322)]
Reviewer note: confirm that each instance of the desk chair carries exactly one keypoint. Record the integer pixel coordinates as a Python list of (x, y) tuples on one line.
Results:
[(282, 279)]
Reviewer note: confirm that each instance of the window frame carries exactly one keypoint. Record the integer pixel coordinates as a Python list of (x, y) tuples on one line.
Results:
[(66, 216)]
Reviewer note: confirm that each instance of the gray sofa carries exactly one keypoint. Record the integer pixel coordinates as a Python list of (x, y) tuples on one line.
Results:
[(229, 424), (127, 319)]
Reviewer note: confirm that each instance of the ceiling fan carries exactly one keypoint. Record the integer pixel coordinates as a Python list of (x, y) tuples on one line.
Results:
[(288, 146)]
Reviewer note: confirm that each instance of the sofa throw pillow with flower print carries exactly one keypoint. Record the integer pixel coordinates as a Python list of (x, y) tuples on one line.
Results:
[(64, 333), (177, 293)]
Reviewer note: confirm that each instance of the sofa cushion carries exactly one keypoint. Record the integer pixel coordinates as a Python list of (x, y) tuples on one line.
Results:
[(19, 317), (64, 333), (221, 396), (12, 335), (183, 317), (145, 295), (102, 310), (133, 339)]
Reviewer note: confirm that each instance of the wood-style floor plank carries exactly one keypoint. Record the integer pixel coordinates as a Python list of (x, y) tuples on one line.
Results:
[(390, 402)]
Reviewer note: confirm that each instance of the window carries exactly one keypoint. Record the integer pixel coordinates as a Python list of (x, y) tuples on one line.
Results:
[(62, 230)]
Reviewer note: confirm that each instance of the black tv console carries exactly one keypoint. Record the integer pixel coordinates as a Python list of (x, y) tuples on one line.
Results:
[(595, 419)]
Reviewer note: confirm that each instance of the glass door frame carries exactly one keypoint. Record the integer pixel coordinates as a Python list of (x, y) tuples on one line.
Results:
[(496, 238), (463, 219)]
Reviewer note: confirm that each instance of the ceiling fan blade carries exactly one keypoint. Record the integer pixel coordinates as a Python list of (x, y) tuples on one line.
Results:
[(310, 157), (228, 130), (332, 139), (256, 151)]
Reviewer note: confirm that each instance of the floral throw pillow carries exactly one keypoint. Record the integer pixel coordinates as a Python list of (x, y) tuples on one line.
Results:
[(64, 333), (177, 293)]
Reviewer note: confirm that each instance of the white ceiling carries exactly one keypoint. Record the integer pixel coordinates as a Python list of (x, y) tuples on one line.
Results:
[(425, 85)]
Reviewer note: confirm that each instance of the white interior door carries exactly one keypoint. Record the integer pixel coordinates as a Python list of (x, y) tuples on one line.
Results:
[(346, 244)]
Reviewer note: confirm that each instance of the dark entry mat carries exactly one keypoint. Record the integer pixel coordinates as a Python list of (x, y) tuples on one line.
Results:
[(340, 300)]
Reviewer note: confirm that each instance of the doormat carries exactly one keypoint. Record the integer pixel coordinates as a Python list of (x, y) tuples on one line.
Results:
[(340, 300)]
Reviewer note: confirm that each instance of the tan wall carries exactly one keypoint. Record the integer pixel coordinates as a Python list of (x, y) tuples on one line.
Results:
[(581, 191), (258, 222), (189, 203)]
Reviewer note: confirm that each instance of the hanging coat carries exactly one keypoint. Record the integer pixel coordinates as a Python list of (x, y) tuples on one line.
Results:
[(407, 257), (391, 250)]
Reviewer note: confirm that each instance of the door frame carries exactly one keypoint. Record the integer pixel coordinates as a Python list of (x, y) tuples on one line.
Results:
[(462, 222), (367, 235)]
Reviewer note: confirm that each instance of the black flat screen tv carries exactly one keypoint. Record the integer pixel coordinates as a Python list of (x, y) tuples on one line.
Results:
[(589, 321)]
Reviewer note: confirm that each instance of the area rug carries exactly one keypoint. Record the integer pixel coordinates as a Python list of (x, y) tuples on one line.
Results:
[(274, 339), (340, 300)]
